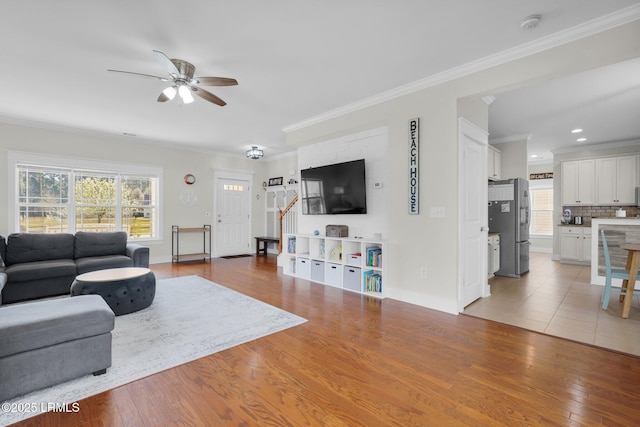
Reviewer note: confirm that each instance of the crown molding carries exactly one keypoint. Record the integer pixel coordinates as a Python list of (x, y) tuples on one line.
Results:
[(511, 138), (607, 22), (600, 146)]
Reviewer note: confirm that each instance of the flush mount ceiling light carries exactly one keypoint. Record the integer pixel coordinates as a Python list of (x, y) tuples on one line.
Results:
[(530, 22), (255, 153), (581, 139), (577, 130)]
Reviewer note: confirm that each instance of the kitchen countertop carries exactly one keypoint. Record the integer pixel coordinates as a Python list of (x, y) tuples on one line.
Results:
[(587, 223)]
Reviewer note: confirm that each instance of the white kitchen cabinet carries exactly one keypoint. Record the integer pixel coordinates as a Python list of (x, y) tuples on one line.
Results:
[(617, 179), (575, 244), (494, 164), (578, 182), (494, 254)]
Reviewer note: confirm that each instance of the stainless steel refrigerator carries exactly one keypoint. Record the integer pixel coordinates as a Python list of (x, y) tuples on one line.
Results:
[(509, 215)]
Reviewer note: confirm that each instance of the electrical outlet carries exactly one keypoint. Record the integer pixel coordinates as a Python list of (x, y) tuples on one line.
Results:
[(423, 272)]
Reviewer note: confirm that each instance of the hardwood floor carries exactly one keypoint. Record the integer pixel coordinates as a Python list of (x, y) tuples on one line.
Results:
[(364, 362)]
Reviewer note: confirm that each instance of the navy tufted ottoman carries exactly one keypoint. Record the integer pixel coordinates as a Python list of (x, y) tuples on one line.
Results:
[(125, 290)]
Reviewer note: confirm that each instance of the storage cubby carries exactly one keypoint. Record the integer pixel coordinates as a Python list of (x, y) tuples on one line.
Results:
[(353, 264)]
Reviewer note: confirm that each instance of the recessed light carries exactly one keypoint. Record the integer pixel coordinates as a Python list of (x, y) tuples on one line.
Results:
[(578, 130), (581, 139), (534, 156)]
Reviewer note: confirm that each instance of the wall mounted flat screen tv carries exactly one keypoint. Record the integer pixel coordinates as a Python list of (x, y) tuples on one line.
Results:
[(334, 189)]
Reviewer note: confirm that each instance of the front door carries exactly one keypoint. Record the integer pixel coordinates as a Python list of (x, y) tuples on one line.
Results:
[(473, 214), (232, 217)]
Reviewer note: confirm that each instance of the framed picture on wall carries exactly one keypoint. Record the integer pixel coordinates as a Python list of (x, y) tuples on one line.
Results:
[(275, 181)]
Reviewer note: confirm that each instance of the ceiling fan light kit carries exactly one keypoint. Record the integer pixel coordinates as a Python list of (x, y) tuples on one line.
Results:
[(182, 81), (170, 92), (255, 153), (185, 94)]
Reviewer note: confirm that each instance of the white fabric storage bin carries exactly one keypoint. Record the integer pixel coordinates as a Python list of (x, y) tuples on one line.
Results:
[(334, 274), (317, 271), (352, 279), (304, 268)]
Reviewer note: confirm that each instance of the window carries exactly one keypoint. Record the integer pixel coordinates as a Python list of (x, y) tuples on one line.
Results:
[(312, 196), (56, 198), (541, 207)]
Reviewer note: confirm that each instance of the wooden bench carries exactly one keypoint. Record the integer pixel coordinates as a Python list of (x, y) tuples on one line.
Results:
[(265, 243)]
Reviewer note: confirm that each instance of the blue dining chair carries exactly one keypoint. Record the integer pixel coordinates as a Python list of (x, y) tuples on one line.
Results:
[(612, 273)]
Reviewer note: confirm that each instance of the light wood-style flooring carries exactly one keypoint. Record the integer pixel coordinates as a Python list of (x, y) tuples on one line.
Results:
[(364, 362)]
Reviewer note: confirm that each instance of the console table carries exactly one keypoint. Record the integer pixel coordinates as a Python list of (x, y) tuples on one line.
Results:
[(265, 242)]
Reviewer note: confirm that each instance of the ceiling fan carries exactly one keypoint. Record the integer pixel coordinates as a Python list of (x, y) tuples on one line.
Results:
[(182, 81)]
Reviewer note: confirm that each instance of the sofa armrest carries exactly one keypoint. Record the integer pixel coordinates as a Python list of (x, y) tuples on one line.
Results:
[(3, 280), (139, 254)]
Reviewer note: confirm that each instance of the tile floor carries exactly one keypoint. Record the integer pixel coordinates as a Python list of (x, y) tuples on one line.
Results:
[(557, 299)]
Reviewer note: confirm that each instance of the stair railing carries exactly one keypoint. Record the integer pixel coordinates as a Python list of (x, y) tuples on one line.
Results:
[(288, 221)]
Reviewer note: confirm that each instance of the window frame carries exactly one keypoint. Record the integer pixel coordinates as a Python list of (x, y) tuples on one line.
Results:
[(15, 158), (540, 184)]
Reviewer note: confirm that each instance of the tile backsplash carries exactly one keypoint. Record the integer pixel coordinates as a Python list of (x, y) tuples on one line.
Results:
[(588, 212)]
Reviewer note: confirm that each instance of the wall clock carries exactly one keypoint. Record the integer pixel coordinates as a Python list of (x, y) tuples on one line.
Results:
[(189, 179)]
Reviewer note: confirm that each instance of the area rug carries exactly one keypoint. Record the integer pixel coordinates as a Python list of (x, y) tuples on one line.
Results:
[(190, 318)]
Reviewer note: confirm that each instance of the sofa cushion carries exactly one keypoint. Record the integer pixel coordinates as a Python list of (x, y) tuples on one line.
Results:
[(99, 244), (29, 247), (28, 271), (85, 265), (3, 250), (33, 325)]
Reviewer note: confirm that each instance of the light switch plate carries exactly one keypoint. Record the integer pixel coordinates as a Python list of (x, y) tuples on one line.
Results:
[(438, 212)]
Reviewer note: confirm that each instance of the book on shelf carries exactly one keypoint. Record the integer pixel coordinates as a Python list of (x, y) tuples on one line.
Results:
[(372, 281), (291, 245), (374, 256)]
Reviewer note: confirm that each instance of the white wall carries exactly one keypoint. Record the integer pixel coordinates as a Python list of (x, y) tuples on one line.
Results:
[(175, 164), (369, 145), (514, 159), (417, 241)]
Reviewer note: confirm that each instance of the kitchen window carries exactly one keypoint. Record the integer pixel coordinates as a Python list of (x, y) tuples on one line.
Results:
[(541, 192)]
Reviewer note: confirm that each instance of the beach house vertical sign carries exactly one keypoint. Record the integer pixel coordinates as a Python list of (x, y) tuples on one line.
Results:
[(414, 166)]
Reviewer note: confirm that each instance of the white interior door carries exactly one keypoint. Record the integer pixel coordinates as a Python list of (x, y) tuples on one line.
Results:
[(232, 217), (473, 282)]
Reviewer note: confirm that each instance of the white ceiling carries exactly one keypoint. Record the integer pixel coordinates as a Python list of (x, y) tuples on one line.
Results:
[(604, 103), (293, 59)]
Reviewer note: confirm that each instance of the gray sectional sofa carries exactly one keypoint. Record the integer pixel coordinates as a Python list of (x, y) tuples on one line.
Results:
[(52, 341), (40, 265)]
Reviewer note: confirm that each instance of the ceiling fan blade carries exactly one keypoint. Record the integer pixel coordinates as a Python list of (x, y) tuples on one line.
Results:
[(208, 96), (164, 79), (166, 63), (216, 81)]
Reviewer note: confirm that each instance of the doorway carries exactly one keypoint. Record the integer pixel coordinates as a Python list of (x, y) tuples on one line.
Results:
[(473, 214), (233, 217)]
